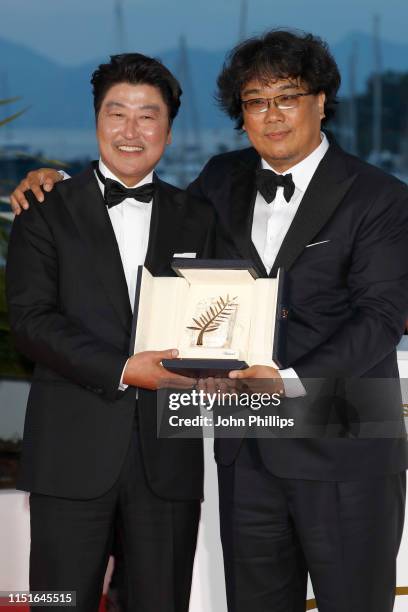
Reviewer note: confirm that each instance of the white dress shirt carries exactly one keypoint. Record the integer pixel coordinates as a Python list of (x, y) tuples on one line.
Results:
[(131, 223), (271, 223)]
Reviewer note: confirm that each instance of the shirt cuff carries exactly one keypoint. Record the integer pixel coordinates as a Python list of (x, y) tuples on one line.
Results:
[(64, 175), (291, 383), (122, 386)]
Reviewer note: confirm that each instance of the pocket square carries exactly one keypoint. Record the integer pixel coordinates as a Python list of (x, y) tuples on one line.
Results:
[(316, 243), (185, 255)]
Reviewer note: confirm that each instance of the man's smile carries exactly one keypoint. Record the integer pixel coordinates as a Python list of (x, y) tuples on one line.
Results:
[(130, 149)]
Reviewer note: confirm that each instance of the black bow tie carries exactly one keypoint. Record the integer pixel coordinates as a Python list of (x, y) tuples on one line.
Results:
[(115, 192), (267, 183)]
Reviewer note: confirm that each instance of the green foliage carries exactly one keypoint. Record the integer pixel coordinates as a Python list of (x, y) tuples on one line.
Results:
[(15, 115)]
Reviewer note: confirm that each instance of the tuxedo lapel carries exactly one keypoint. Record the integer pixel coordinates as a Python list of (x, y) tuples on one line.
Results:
[(325, 192), (168, 205), (85, 203), (241, 209)]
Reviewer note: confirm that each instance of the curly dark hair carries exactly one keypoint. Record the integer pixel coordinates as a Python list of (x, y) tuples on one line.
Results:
[(135, 68), (278, 54)]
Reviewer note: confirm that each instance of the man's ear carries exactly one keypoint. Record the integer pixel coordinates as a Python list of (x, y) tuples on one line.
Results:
[(169, 137), (321, 99)]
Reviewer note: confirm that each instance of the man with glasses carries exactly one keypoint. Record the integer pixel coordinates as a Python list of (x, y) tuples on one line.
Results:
[(330, 507), (333, 507)]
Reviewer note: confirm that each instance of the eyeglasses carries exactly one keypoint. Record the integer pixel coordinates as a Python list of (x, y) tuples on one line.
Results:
[(283, 102)]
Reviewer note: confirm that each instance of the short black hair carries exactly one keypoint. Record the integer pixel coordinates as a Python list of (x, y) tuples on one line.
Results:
[(274, 55), (135, 68)]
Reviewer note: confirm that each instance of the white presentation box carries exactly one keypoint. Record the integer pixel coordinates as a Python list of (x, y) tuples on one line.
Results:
[(217, 313)]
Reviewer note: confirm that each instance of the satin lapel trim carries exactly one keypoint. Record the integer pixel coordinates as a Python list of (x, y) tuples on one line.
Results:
[(164, 227), (326, 190), (241, 212), (87, 207)]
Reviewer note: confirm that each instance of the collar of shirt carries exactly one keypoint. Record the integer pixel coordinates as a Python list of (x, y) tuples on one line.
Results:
[(108, 174), (303, 171)]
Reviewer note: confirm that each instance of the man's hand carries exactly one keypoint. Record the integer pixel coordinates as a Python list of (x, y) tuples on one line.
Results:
[(268, 379), (145, 370), (44, 177)]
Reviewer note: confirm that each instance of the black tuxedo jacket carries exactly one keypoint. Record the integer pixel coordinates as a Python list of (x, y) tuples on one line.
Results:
[(348, 295), (70, 313)]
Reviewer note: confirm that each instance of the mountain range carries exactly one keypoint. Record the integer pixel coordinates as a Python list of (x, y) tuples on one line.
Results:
[(60, 96)]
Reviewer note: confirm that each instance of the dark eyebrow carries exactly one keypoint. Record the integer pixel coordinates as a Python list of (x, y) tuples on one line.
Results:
[(153, 107), (113, 103), (248, 92)]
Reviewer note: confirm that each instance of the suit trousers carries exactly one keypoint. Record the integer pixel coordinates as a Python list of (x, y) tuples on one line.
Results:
[(275, 530), (71, 541)]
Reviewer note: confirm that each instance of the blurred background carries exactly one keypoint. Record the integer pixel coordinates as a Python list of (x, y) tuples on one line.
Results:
[(49, 48)]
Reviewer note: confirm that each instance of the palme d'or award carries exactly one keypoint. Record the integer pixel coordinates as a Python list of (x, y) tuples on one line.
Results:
[(218, 317), (218, 314)]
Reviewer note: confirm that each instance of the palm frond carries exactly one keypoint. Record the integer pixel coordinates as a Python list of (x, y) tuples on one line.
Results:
[(211, 319), (9, 100), (12, 117)]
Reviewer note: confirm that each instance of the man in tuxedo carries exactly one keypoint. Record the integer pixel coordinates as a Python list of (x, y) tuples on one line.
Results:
[(339, 227), (91, 457)]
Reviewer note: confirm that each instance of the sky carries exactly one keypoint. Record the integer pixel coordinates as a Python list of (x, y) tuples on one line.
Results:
[(77, 31)]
